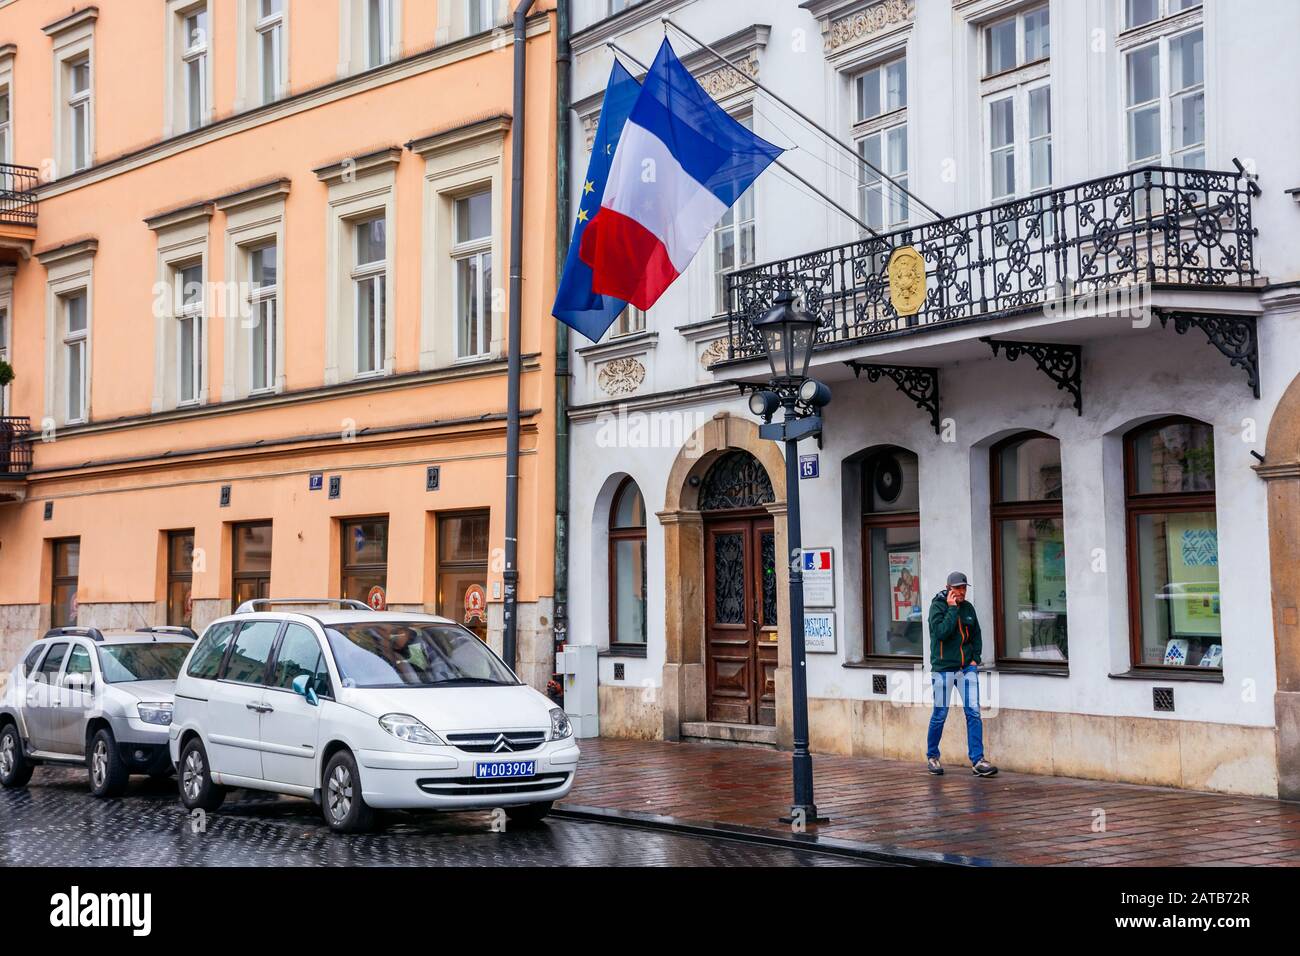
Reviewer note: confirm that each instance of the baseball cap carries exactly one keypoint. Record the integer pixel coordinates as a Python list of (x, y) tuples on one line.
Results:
[(957, 579)]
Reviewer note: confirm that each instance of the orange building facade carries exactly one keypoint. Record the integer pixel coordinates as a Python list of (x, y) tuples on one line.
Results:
[(253, 280)]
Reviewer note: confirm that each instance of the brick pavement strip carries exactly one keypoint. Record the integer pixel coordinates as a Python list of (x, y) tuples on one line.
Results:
[(895, 806)]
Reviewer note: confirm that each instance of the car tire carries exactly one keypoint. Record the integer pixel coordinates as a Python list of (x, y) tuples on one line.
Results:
[(194, 781), (529, 814), (15, 768), (105, 766), (341, 802)]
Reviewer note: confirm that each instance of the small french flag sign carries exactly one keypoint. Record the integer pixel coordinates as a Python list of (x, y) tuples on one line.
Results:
[(817, 560)]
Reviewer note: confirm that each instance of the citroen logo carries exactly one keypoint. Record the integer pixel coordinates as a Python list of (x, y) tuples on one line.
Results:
[(501, 744)]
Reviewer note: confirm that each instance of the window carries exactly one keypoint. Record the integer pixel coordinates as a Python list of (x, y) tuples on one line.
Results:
[(300, 654), (67, 566), (1164, 84), (379, 35), (6, 131), (4, 356), (180, 577), (462, 569), (211, 649), (262, 296), (891, 536), (733, 240), (1140, 12), (471, 255), (627, 567), (1017, 41), (189, 333), (365, 561), (78, 106), (479, 16), (629, 321), (49, 671), (194, 65), (1020, 141), (248, 658), (880, 134), (32, 657), (75, 332), (270, 48), (78, 663), (369, 278), (1173, 545), (1028, 550), (252, 562)]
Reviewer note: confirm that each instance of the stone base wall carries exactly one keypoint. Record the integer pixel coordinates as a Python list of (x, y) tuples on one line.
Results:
[(1193, 755), (631, 713), (534, 635), (20, 624)]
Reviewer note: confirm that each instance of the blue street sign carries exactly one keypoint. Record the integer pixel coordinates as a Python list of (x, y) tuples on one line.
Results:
[(809, 466), (315, 482)]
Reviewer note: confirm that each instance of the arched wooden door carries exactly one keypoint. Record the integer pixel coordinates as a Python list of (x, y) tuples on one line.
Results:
[(740, 591)]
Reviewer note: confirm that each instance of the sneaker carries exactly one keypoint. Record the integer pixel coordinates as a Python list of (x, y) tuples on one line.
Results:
[(982, 768), (932, 764)]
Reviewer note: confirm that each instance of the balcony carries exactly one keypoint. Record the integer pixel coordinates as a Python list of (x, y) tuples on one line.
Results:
[(15, 457), (1181, 238), (17, 211)]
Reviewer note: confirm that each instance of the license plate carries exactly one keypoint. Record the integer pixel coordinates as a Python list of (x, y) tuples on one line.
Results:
[(507, 768)]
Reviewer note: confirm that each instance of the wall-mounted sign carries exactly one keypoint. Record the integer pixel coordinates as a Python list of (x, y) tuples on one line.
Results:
[(818, 577), (809, 466), (49, 510), (819, 632), (377, 599), (336, 485), (432, 477), (475, 604), (315, 481), (225, 496)]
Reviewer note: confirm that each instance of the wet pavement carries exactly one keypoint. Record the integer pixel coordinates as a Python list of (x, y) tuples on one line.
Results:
[(55, 822)]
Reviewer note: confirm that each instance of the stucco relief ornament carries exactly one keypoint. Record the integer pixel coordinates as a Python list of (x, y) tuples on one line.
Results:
[(906, 280), (620, 376), (715, 352), (869, 22), (721, 82)]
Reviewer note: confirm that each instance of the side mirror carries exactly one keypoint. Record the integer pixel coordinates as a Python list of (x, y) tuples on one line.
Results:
[(302, 687)]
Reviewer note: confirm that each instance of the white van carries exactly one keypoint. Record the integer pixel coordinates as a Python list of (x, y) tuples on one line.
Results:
[(362, 710)]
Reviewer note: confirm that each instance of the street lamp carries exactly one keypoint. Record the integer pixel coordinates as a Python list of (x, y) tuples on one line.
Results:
[(788, 337)]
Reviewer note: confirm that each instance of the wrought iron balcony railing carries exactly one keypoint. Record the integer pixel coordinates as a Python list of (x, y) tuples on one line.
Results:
[(1155, 225), (15, 446), (18, 194)]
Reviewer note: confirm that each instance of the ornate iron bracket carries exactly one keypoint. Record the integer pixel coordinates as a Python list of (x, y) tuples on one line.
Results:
[(919, 384), (1063, 364), (1236, 336)]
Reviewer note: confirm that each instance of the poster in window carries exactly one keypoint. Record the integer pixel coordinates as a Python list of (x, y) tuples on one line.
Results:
[(905, 585), (1049, 576), (1193, 588)]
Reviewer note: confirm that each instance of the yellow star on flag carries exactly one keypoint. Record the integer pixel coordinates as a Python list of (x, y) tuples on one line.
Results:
[(589, 187), (582, 215)]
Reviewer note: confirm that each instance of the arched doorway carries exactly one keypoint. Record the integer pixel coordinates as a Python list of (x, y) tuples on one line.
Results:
[(740, 593)]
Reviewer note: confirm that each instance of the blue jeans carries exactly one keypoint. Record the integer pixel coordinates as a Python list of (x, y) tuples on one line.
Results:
[(941, 682)]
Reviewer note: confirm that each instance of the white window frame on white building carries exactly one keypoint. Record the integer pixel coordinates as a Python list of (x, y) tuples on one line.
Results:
[(182, 237), (1025, 87), (370, 306), (874, 138), (459, 162), (255, 219), (729, 236), (360, 189), (74, 103), (262, 54), (69, 274), (370, 34), (629, 322), (1159, 36)]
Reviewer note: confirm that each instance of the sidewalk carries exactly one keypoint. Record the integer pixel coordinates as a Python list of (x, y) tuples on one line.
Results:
[(895, 807)]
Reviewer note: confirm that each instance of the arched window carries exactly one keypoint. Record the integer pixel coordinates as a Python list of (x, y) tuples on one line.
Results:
[(627, 581), (891, 540), (1028, 550), (1173, 545)]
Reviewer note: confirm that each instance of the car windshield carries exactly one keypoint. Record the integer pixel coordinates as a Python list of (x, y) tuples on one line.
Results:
[(413, 654), (153, 661)]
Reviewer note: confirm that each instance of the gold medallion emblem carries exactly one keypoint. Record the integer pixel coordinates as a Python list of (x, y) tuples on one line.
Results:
[(906, 280)]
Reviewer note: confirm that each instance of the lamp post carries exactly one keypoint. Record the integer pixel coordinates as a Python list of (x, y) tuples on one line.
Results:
[(788, 338)]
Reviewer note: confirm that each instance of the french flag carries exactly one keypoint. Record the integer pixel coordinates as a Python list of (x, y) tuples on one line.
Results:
[(681, 163)]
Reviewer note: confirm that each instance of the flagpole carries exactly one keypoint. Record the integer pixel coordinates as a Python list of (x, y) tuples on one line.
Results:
[(777, 162), (807, 119)]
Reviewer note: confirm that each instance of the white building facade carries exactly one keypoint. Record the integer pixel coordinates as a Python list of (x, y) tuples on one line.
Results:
[(1059, 363)]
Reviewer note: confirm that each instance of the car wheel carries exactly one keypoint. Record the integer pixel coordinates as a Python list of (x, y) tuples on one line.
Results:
[(15, 768), (198, 792), (108, 773), (530, 814), (345, 811)]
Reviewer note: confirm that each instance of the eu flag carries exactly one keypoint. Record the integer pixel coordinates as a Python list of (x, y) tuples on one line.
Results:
[(576, 305)]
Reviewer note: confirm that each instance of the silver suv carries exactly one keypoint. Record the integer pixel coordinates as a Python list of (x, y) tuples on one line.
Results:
[(102, 700)]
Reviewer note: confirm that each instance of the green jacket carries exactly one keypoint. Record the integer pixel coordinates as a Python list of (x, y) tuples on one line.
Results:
[(954, 635)]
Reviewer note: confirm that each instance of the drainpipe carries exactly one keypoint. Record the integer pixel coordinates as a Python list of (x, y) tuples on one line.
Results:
[(509, 637), (562, 90)]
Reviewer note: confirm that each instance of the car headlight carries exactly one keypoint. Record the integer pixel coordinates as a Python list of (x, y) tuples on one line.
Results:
[(560, 726), (155, 713), (405, 727)]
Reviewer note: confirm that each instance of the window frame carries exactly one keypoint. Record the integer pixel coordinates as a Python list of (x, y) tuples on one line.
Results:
[(236, 573), (731, 222), (1164, 97), (442, 564), (194, 314), (6, 311), (1003, 511), (63, 580), (271, 24), (1022, 61), (77, 342), (195, 56), (478, 249), (345, 567), (385, 26), (630, 321), (263, 306), (79, 103), (372, 274), (7, 124), (883, 520), (486, 10), (882, 126), (178, 576), (1138, 504), (1162, 13), (617, 535)]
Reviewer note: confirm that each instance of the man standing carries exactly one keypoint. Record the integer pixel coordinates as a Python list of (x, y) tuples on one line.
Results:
[(955, 653)]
